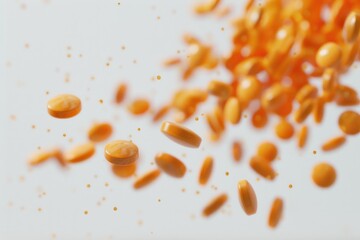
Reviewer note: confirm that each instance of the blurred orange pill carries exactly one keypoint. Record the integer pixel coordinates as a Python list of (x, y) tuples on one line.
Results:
[(232, 110), (333, 143), (64, 106), (262, 167), (247, 197), (121, 152), (124, 171), (329, 55), (349, 122), (351, 27), (215, 204), (80, 153), (139, 106), (275, 213), (170, 165), (267, 150), (180, 134), (42, 156), (237, 151), (323, 175), (100, 132), (302, 136), (206, 170), (146, 178), (219, 89), (120, 93), (284, 129)]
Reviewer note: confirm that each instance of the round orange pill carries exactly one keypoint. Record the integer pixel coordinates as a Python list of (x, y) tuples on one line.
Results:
[(267, 150), (170, 164), (324, 175), (121, 152), (180, 134), (100, 132), (349, 122), (276, 211), (284, 129), (329, 55), (64, 106), (80, 153), (248, 89), (247, 197)]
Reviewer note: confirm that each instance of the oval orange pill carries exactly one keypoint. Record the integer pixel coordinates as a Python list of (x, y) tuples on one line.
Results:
[(323, 175), (276, 212), (146, 178), (121, 152), (42, 156), (232, 110), (206, 7), (259, 119), (333, 143), (100, 132), (237, 151), (170, 165), (318, 109), (120, 93), (139, 106), (80, 153), (161, 113), (302, 136), (304, 110), (267, 150), (64, 106), (351, 27), (329, 55), (205, 171), (262, 167), (284, 129), (124, 171), (248, 89), (215, 204), (349, 122), (306, 92), (180, 134), (219, 89), (247, 197)]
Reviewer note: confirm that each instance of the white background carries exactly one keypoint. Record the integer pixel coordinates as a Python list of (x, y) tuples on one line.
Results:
[(97, 30)]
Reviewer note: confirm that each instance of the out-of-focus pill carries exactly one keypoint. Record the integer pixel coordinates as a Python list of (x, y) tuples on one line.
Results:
[(248, 89), (120, 93), (206, 7), (323, 175), (80, 153), (262, 167), (181, 135), (42, 156), (329, 80), (267, 150), (171, 61), (276, 212), (124, 171), (214, 205), (333, 143), (351, 27), (170, 165), (205, 171), (219, 89), (100, 132), (306, 92), (259, 119), (318, 109), (349, 122), (304, 110), (139, 106), (247, 197), (346, 96), (251, 66), (329, 55), (273, 98), (121, 152), (284, 129), (146, 178), (232, 110), (161, 113), (237, 151), (64, 106), (302, 136)]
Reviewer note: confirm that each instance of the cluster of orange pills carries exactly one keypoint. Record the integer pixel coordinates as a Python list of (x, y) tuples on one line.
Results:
[(281, 50)]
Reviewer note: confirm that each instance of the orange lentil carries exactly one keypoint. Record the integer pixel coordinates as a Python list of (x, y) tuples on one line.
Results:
[(302, 136), (262, 167), (247, 197), (180, 134), (275, 213), (267, 150), (284, 129), (121, 152), (139, 106), (146, 178), (120, 93), (333, 143), (214, 205), (219, 89), (80, 153), (206, 170), (323, 175), (237, 151), (349, 122), (124, 171), (346, 96), (100, 132), (64, 106), (232, 110), (170, 165)]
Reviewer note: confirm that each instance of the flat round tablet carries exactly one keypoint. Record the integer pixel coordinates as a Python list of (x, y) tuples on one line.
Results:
[(64, 106), (121, 152)]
